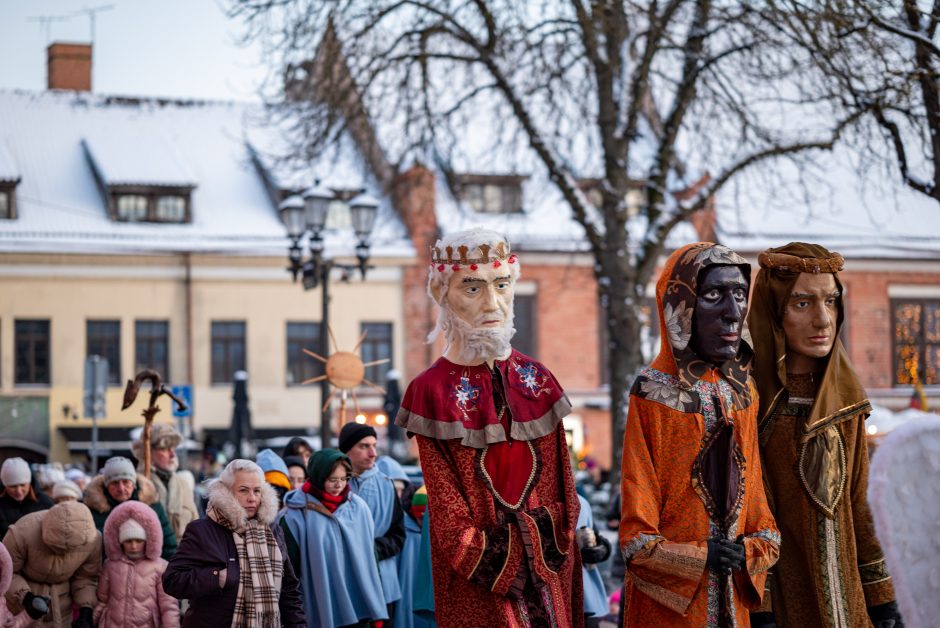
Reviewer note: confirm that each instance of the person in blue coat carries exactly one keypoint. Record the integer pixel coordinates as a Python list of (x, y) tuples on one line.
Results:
[(358, 441), (409, 561), (329, 534), (594, 549)]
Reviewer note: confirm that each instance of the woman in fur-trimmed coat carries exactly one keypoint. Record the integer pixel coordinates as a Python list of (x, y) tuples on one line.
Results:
[(101, 503), (233, 566), (130, 591)]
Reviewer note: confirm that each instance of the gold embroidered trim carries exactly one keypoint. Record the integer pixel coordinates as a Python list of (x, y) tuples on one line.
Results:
[(830, 512), (832, 573), (538, 539), (528, 482), (480, 557), (842, 413), (505, 562)]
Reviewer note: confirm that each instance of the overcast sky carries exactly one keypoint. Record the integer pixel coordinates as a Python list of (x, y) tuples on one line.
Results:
[(177, 48)]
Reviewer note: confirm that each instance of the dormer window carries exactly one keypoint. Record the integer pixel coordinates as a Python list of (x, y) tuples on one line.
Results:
[(136, 189), (8, 199), (131, 207), (634, 199), (150, 205), (491, 194)]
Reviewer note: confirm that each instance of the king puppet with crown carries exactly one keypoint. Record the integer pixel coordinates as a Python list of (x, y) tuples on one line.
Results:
[(488, 420)]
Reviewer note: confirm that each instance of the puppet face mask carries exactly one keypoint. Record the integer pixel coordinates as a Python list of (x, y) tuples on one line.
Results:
[(720, 308), (476, 313), (481, 298), (809, 320)]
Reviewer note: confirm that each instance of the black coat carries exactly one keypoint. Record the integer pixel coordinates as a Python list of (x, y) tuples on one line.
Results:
[(193, 574), (11, 510)]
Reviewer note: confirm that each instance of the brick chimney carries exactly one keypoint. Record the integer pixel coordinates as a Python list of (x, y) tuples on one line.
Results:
[(69, 67)]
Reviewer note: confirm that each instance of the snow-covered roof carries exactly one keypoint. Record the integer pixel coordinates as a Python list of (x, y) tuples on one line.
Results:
[(204, 144), (861, 217), (546, 222)]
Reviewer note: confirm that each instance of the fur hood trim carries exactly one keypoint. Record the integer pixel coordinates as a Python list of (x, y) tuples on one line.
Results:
[(6, 569), (142, 514), (222, 499), (96, 496)]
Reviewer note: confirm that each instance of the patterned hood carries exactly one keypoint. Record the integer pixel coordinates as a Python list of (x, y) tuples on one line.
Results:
[(675, 297)]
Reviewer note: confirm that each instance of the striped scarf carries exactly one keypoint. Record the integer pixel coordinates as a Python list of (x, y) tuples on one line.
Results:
[(261, 567)]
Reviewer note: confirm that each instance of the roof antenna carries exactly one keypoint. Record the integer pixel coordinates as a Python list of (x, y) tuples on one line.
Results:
[(45, 23), (92, 14)]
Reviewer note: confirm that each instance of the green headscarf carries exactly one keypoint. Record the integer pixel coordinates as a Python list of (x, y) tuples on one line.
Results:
[(321, 464)]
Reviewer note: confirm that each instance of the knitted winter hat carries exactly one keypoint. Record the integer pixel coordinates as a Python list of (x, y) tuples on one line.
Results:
[(119, 468), (75, 475), (352, 433), (131, 530), (66, 488), (274, 467), (15, 471)]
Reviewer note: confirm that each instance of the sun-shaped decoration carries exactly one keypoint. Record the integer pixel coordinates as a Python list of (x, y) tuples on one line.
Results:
[(345, 371)]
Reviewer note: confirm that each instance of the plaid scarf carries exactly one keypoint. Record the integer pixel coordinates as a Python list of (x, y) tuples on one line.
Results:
[(261, 567)]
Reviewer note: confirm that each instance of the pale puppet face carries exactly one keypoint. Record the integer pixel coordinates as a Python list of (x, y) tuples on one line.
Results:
[(809, 321), (481, 298), (363, 454), (18, 491), (247, 490)]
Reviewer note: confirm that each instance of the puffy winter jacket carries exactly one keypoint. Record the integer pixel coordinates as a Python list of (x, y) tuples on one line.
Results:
[(57, 553), (130, 592), (99, 500)]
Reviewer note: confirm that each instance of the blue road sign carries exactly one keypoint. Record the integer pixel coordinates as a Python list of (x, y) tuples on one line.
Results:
[(186, 394)]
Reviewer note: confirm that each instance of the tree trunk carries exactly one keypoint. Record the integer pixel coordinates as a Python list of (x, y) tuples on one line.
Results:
[(618, 298)]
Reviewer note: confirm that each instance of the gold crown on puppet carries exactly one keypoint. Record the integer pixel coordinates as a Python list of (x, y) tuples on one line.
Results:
[(482, 254)]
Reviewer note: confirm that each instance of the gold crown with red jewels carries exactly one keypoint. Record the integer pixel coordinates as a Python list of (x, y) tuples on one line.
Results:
[(482, 254)]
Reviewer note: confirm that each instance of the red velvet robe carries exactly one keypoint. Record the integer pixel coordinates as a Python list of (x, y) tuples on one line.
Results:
[(501, 497)]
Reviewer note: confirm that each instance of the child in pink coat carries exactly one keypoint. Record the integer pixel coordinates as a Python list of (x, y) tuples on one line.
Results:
[(130, 590)]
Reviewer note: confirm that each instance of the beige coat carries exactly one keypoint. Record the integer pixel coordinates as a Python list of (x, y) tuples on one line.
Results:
[(178, 499), (57, 553)]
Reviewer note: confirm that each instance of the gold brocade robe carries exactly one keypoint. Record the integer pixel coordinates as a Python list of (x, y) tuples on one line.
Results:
[(831, 568)]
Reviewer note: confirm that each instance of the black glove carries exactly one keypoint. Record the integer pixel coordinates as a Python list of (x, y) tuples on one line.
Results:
[(597, 554), (886, 615), (724, 555), (36, 606), (763, 620), (85, 618)]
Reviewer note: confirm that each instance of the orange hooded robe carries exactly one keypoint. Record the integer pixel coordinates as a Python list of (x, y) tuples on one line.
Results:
[(678, 459)]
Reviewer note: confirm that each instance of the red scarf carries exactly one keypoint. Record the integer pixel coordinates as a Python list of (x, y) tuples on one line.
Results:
[(331, 502)]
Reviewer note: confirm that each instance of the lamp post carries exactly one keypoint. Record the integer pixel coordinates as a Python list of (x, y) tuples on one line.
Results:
[(307, 214)]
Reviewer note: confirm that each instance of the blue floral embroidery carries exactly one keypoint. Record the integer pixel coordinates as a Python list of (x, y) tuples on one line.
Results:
[(530, 378), (466, 394)]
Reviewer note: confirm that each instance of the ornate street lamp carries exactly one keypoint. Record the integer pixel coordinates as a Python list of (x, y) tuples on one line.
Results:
[(308, 214)]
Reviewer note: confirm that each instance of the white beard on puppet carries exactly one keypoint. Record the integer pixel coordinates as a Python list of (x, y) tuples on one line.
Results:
[(477, 343)]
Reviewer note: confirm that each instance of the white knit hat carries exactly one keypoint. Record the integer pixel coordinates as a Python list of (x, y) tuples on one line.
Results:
[(15, 471), (119, 468), (130, 529), (66, 488)]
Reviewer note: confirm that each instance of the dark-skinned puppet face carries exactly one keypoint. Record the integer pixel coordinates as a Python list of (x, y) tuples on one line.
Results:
[(720, 310)]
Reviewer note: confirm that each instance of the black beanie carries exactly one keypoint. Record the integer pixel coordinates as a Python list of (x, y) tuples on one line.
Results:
[(352, 433)]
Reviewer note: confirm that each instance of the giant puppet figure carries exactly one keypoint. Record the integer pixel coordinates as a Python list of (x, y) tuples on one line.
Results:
[(812, 434), (696, 532), (488, 420)]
